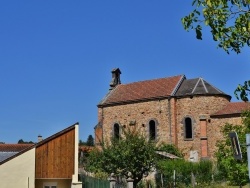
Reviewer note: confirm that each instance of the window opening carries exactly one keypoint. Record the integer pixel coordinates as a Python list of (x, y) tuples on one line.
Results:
[(152, 130), (188, 128), (116, 131)]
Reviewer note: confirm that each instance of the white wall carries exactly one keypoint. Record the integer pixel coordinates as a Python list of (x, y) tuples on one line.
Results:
[(75, 183), (19, 172)]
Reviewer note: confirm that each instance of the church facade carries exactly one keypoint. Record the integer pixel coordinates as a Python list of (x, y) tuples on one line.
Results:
[(175, 110)]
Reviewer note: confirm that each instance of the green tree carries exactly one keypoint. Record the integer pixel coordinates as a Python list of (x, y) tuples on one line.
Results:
[(21, 141), (90, 141), (82, 143), (242, 91), (229, 21), (234, 171), (131, 153)]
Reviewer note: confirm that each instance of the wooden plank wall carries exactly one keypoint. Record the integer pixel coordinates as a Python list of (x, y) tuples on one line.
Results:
[(55, 158)]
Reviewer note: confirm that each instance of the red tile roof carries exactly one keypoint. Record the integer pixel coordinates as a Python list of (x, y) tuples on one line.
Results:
[(13, 147), (86, 148), (143, 90), (233, 108)]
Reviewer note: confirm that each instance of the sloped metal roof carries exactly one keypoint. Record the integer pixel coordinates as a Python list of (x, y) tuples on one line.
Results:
[(198, 86), (6, 155)]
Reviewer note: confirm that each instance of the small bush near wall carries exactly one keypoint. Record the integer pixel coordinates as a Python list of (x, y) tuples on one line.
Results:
[(180, 173)]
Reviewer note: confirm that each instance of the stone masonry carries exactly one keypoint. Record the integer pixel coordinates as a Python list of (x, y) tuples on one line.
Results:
[(135, 105)]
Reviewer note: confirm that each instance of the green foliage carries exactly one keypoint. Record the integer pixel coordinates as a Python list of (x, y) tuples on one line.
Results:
[(184, 170), (21, 141), (229, 21), (90, 141), (83, 157), (82, 143), (165, 169), (246, 120), (146, 183), (234, 171), (101, 175), (202, 171), (242, 91), (94, 161), (131, 153)]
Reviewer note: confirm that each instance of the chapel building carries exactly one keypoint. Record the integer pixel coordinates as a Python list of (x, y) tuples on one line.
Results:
[(175, 110)]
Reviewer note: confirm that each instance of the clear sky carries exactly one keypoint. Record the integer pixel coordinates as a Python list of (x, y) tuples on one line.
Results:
[(56, 58)]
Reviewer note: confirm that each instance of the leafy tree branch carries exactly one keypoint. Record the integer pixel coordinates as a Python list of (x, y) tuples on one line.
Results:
[(229, 23), (242, 91), (228, 20)]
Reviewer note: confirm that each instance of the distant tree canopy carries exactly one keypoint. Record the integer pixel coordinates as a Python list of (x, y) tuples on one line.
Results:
[(82, 143), (89, 142), (24, 142)]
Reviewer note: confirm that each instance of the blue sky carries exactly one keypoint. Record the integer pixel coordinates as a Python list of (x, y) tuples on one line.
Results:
[(56, 58)]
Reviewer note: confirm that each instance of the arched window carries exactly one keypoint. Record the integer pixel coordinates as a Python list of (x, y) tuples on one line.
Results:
[(152, 130), (116, 131), (188, 128)]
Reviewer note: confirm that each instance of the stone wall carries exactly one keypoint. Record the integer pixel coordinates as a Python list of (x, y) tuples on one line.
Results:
[(169, 115), (214, 131), (138, 115), (199, 109)]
